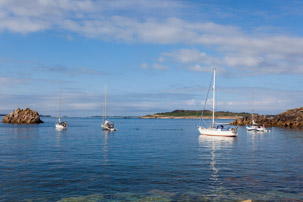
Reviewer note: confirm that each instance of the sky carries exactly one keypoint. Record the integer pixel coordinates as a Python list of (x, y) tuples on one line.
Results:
[(154, 56)]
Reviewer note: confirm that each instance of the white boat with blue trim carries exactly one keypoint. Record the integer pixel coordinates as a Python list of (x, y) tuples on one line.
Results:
[(218, 130)]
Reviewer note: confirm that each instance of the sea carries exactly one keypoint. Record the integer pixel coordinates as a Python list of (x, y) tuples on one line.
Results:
[(147, 160)]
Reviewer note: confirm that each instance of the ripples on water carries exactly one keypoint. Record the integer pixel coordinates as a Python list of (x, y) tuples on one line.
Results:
[(155, 160)]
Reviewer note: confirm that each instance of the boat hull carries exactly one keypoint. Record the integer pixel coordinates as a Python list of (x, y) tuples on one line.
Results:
[(218, 132), (251, 128), (60, 127), (257, 128), (109, 129)]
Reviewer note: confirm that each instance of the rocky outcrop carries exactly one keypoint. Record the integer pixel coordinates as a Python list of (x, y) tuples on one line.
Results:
[(292, 118), (247, 120), (21, 116)]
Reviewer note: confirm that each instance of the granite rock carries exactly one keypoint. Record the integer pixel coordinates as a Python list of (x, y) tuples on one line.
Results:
[(21, 116), (292, 118)]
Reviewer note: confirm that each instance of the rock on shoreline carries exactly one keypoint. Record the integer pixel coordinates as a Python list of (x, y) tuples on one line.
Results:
[(292, 118), (21, 116)]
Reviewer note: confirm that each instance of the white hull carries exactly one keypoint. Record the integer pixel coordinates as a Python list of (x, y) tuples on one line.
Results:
[(251, 128), (257, 128), (218, 132), (262, 130), (60, 127), (109, 129)]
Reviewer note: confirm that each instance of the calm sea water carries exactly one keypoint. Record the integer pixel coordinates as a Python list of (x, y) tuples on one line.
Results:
[(161, 160)]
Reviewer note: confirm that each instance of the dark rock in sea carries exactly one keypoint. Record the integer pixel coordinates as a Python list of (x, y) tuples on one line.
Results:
[(292, 118), (21, 116)]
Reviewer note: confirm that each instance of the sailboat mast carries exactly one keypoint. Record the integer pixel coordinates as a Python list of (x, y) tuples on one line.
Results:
[(59, 105), (253, 109), (214, 93), (105, 101)]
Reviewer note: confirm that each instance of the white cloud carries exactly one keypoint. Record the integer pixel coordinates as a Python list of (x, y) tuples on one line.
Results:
[(159, 66), (247, 61), (80, 103), (191, 102), (266, 101), (198, 68), (187, 55), (230, 46), (254, 60), (11, 81), (84, 106), (161, 59), (144, 66)]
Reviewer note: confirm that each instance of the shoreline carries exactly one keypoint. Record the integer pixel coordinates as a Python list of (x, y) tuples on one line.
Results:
[(187, 117)]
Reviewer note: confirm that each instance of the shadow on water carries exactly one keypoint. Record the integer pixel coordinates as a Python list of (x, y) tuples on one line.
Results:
[(20, 131)]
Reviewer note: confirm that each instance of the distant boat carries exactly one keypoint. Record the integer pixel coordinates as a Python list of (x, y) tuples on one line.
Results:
[(106, 125), (254, 126), (218, 130), (60, 125)]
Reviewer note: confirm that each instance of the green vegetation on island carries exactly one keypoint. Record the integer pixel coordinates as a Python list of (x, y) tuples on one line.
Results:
[(196, 114)]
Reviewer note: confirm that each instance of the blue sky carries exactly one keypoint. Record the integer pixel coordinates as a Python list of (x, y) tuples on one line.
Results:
[(155, 56)]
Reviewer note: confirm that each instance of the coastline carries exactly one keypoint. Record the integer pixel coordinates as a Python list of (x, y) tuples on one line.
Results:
[(187, 117), (292, 118)]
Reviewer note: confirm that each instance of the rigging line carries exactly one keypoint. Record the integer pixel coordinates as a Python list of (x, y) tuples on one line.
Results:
[(201, 118)]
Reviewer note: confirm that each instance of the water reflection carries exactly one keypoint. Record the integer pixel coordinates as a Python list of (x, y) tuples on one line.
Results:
[(257, 132), (60, 132), (219, 142), (59, 136), (105, 134), (215, 145), (256, 137), (214, 175), (22, 131)]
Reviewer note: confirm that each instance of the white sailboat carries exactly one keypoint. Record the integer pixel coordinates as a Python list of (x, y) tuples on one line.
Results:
[(262, 129), (254, 126), (60, 125), (218, 130), (107, 125)]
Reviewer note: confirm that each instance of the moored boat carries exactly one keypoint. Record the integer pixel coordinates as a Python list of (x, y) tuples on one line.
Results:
[(106, 125), (60, 125), (218, 130), (254, 126)]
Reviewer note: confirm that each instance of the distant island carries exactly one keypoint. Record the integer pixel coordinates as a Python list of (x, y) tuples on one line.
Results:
[(45, 116), (115, 117), (196, 114), (292, 118)]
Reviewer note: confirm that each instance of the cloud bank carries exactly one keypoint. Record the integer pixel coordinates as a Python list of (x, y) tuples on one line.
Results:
[(135, 22)]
